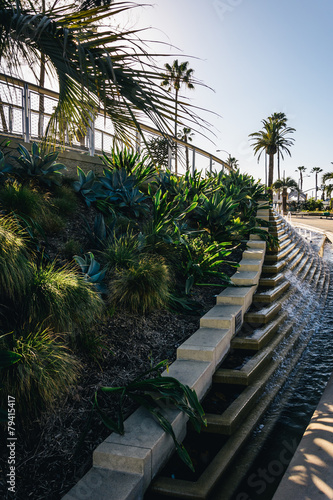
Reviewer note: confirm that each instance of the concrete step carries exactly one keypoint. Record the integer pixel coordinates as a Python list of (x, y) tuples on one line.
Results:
[(271, 281), (281, 254), (250, 264), (264, 315), (256, 244), (247, 373), (253, 254), (222, 316), (246, 278), (237, 296), (258, 337), (272, 294)]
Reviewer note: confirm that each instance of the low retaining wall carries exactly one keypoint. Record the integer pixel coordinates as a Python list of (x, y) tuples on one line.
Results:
[(71, 159)]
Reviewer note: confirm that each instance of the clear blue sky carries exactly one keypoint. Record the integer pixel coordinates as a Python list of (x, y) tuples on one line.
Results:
[(260, 57)]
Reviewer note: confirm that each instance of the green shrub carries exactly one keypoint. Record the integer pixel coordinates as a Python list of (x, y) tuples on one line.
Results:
[(21, 199), (122, 251), (142, 287), (44, 372), (71, 248), (50, 221), (64, 200), (63, 298), (15, 270)]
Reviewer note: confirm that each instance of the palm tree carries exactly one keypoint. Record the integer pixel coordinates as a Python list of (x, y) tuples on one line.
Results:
[(316, 171), (174, 78), (327, 177), (281, 119), (285, 184), (273, 138), (232, 162), (329, 189), (186, 135), (97, 67), (301, 171)]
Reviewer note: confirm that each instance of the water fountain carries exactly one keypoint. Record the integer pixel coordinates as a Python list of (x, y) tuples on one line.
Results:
[(265, 357)]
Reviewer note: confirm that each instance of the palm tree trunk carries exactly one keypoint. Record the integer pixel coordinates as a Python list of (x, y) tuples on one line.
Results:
[(176, 145), (270, 175), (41, 84), (41, 97), (284, 201)]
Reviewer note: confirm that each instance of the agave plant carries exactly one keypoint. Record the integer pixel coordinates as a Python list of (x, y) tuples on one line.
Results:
[(154, 393), (99, 233), (89, 186), (115, 180), (5, 168), (92, 271), (40, 166)]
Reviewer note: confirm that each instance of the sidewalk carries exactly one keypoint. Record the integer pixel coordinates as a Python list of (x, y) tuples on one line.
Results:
[(313, 222), (310, 472)]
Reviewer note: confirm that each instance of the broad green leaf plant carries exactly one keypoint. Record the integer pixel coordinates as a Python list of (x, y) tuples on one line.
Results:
[(155, 393)]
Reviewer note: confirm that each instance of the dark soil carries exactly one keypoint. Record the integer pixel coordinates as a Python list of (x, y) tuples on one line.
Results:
[(50, 457)]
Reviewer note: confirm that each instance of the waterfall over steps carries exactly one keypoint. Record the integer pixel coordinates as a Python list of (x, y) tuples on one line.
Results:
[(277, 327)]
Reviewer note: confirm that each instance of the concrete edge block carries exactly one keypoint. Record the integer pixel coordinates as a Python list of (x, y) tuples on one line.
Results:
[(206, 344), (142, 431), (196, 374), (103, 484), (123, 458)]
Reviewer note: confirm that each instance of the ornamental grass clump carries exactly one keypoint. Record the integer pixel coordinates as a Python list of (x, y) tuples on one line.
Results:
[(14, 197), (15, 270), (44, 372), (141, 288), (122, 251), (63, 298)]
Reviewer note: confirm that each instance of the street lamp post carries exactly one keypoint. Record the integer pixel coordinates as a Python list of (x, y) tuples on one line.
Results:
[(224, 151)]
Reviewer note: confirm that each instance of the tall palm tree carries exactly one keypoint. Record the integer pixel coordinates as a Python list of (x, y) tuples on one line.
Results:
[(176, 76), (301, 171), (316, 171), (285, 184), (273, 138), (329, 189), (97, 67), (281, 119), (232, 162), (186, 135)]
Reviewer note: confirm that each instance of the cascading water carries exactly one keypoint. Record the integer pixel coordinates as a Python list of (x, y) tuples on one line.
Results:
[(281, 429), (287, 349)]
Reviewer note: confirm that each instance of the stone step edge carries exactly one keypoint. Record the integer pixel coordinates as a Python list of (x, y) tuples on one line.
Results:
[(120, 463)]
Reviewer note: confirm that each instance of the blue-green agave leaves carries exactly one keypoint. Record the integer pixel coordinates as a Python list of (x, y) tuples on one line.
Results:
[(42, 167), (92, 271)]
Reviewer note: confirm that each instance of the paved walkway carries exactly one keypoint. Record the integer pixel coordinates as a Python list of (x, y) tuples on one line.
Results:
[(310, 473), (315, 222)]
